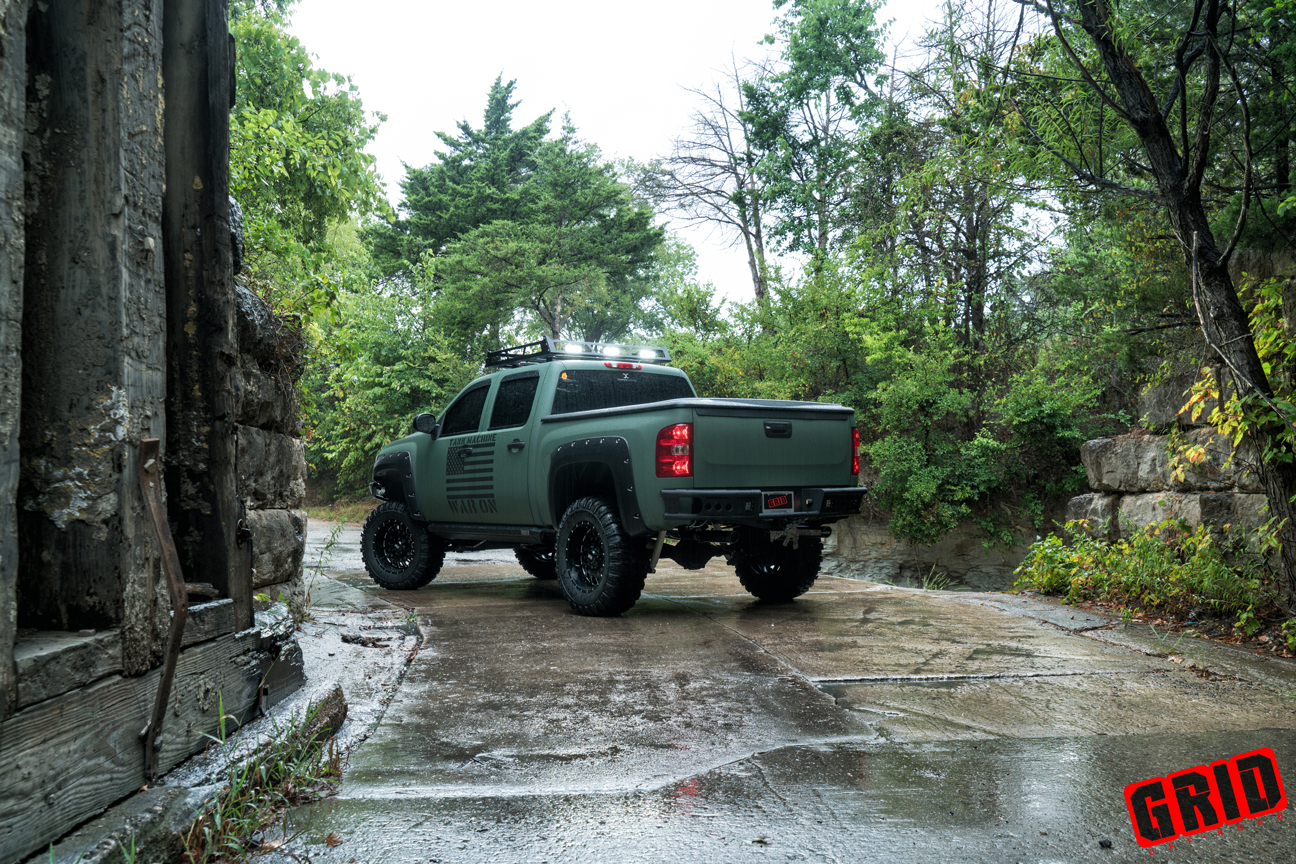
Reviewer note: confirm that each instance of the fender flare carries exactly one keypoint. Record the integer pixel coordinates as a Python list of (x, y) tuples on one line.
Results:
[(393, 480), (613, 452)]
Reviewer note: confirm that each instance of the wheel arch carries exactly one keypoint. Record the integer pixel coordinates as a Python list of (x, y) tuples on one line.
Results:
[(595, 466), (393, 480)]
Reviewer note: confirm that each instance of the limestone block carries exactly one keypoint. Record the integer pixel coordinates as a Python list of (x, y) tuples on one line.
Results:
[(1250, 511), (1139, 511), (278, 544), (271, 469), (1210, 475), (1128, 463), (1216, 508), (1244, 478), (1160, 404), (265, 402), (1243, 512), (1095, 507), (294, 592), (258, 331), (1248, 481), (1141, 464)]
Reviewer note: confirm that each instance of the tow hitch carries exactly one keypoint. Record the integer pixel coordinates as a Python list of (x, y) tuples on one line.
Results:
[(793, 534)]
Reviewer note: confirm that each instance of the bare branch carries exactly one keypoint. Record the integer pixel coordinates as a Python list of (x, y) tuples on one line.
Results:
[(1083, 173), (1246, 173), (1084, 70)]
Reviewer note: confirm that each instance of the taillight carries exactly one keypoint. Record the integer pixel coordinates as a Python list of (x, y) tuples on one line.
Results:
[(855, 451), (675, 451), (623, 365)]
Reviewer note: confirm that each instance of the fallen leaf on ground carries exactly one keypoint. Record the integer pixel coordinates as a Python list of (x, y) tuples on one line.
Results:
[(271, 845), (333, 839)]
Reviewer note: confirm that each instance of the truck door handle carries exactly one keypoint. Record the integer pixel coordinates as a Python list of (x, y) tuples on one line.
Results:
[(515, 445), (465, 451)]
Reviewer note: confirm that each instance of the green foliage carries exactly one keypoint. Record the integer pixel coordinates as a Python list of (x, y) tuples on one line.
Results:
[(981, 313), (948, 433), (1243, 413), (926, 475), (383, 365), (1288, 632), (297, 163), (478, 179), (1166, 566), (803, 116), (520, 234), (575, 252)]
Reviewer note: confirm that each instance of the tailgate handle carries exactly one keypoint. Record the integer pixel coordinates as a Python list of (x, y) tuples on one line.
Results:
[(778, 429)]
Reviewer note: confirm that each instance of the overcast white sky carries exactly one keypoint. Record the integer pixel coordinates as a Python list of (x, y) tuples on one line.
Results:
[(620, 70)]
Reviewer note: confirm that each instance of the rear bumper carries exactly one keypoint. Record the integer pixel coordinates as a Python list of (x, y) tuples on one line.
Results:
[(747, 506)]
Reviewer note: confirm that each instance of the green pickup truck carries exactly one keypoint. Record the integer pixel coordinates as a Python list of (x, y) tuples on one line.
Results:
[(594, 461)]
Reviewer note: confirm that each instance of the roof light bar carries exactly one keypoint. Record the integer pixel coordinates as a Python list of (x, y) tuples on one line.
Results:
[(548, 349)]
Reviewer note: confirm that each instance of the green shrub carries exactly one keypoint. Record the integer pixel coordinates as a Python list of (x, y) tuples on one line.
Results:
[(1167, 566)]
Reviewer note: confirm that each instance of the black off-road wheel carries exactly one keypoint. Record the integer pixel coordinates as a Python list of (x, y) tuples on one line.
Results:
[(774, 572), (601, 569), (540, 561), (398, 553)]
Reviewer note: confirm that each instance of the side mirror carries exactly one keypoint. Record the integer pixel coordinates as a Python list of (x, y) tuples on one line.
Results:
[(426, 423)]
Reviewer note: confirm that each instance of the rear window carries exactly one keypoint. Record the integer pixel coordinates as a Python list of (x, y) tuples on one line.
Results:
[(589, 389)]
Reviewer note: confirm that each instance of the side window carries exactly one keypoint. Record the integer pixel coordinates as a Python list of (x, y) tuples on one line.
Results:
[(464, 415), (513, 400)]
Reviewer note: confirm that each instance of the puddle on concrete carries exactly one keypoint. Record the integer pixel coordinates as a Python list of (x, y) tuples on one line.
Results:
[(1049, 706), (990, 801), (688, 729)]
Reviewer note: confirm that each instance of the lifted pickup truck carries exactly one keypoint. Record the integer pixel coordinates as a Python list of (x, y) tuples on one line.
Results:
[(588, 458)]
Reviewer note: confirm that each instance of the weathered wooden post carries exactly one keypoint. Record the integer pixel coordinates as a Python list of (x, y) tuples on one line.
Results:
[(13, 86), (93, 321), (201, 443)]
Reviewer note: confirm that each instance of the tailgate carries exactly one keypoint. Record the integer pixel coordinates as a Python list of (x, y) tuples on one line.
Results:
[(768, 444)]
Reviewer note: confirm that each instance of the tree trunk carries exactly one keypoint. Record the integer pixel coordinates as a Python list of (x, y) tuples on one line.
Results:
[(1179, 180), (754, 242)]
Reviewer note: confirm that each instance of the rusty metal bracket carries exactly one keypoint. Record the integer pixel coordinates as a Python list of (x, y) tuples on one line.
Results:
[(150, 477)]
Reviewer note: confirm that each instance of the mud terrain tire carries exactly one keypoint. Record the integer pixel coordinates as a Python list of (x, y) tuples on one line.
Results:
[(397, 551), (540, 561), (601, 569), (774, 572)]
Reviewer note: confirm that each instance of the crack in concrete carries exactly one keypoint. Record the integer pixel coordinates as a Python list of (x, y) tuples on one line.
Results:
[(976, 676)]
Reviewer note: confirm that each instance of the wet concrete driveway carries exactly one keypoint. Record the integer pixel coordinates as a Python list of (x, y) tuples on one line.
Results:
[(860, 723)]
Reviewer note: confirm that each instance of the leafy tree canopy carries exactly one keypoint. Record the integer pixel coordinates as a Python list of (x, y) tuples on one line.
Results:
[(480, 177), (297, 160), (519, 233)]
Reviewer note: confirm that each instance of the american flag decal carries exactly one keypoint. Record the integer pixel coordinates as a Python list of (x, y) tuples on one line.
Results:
[(470, 473)]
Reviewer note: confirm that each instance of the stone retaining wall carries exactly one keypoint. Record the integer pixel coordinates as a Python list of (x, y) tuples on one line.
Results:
[(863, 548), (1133, 483), (271, 456), (1133, 487)]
